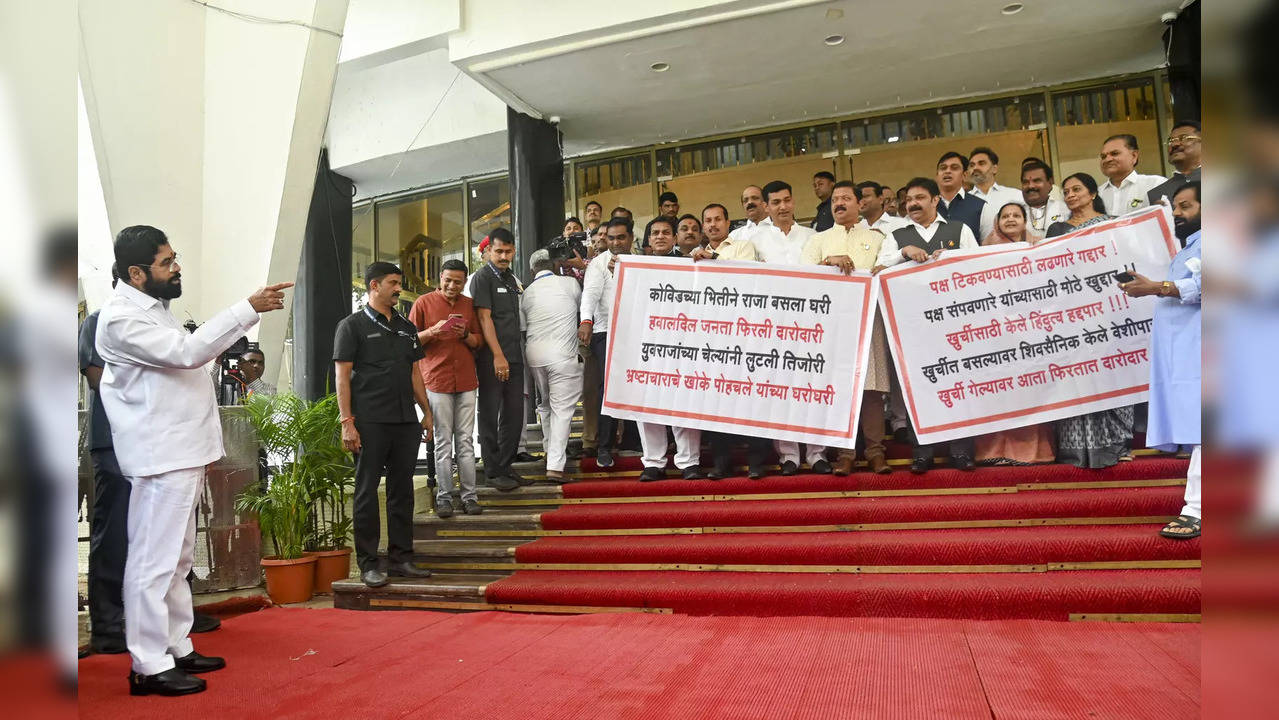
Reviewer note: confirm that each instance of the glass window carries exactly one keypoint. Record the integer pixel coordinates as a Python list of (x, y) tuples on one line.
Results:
[(1085, 118), (419, 233), (490, 207), (893, 149), (716, 171), (625, 181), (361, 250)]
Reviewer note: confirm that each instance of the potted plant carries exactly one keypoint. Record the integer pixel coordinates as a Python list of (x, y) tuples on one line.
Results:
[(302, 507)]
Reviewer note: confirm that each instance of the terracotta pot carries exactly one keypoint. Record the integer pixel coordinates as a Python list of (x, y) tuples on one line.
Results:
[(289, 581), (331, 565)]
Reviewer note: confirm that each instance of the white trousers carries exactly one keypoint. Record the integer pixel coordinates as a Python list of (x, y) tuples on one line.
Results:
[(688, 445), (559, 387), (157, 599), (1194, 486), (787, 450)]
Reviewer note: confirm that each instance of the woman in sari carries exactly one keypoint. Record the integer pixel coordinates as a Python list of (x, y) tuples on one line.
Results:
[(1010, 226), (1100, 439)]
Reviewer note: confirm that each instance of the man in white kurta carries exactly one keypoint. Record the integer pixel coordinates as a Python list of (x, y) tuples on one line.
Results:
[(166, 429)]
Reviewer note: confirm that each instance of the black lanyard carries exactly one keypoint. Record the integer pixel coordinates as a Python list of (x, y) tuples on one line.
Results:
[(501, 279), (377, 320)]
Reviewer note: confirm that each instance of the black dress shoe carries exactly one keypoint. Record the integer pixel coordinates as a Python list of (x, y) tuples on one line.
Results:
[(203, 623), (472, 507), (920, 464), (197, 663), (170, 682), (524, 457), (755, 472), (108, 644), (650, 474), (821, 467), (408, 570), (373, 578), (504, 483), (518, 478), (789, 468), (963, 462), (444, 508), (694, 472)]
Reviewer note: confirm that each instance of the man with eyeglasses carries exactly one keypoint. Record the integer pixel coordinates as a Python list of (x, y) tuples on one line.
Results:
[(165, 429), (1185, 152)]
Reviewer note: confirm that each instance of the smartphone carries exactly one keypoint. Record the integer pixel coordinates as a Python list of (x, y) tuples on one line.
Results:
[(1124, 276)]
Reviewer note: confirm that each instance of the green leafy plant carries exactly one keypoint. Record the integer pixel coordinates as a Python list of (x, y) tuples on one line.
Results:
[(303, 505)]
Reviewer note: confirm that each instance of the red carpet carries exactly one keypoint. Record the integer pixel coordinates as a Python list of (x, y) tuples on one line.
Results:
[(1146, 468), (1112, 502), (1042, 596), (976, 546), (302, 664)]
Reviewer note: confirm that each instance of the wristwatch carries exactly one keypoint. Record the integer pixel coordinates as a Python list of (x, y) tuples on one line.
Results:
[(1165, 288)]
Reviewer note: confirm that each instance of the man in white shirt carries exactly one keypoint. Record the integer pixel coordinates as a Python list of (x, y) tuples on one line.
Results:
[(1125, 189), (781, 242), (928, 237), (870, 206), (551, 305), (595, 314), (983, 167), (165, 429), (756, 210), (1042, 210)]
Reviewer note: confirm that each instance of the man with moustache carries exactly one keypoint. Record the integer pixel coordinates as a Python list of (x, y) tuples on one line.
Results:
[(1041, 209), (781, 242), (595, 314), (958, 204), (983, 167), (659, 237), (1185, 152), (720, 243), (165, 430), (688, 234), (1125, 189), (756, 213), (375, 354), (850, 245), (823, 181), (872, 211), (593, 213), (926, 238), (668, 205)]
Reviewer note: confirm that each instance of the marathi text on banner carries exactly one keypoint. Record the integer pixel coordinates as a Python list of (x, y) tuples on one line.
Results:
[(1016, 335), (743, 348)]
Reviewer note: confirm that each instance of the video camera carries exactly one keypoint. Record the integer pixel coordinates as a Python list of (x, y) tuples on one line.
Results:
[(230, 379), (562, 248)]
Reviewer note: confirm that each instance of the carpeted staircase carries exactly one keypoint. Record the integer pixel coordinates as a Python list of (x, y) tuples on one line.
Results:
[(1045, 542)]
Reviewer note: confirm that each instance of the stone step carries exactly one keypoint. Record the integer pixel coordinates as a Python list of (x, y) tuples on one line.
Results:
[(427, 552), (426, 526), (441, 588)]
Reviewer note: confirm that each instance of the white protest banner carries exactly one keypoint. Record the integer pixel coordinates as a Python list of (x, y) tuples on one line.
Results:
[(739, 347), (1017, 335)]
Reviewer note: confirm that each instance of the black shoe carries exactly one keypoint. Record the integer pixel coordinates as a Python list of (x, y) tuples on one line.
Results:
[(204, 623), (197, 663), (504, 483), (444, 508), (108, 644), (789, 468), (408, 570), (519, 478), (694, 472), (755, 471), (920, 464), (902, 435), (373, 578), (604, 458), (821, 467), (524, 457), (472, 507), (963, 462), (651, 473), (171, 682)]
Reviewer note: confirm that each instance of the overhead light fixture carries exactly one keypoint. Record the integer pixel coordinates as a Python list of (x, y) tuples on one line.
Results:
[(659, 67), (1012, 8), (834, 40)]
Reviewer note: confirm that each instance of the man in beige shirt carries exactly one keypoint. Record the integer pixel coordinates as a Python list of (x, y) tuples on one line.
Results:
[(719, 244), (850, 246)]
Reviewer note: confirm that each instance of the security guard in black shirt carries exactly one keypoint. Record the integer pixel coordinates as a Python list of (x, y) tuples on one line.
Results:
[(375, 352)]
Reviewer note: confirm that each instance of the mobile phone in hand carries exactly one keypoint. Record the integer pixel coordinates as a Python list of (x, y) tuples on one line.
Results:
[(1124, 276)]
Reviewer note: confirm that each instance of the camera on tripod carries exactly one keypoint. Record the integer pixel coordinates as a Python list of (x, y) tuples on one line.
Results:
[(563, 248)]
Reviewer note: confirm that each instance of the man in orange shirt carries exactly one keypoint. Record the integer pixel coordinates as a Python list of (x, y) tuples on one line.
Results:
[(449, 332)]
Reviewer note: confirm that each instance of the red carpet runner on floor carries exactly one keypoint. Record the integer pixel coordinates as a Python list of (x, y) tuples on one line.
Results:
[(321, 664)]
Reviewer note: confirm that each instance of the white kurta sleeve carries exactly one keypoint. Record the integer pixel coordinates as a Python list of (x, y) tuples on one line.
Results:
[(889, 253), (129, 339)]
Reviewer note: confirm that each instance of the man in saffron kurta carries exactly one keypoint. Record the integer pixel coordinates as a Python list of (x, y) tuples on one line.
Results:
[(1175, 344)]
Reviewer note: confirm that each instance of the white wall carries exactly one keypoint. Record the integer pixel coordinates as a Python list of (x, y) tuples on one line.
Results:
[(378, 26)]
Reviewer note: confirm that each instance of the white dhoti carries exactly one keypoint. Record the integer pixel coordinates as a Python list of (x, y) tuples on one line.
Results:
[(559, 387), (157, 599), (688, 442), (1194, 485)]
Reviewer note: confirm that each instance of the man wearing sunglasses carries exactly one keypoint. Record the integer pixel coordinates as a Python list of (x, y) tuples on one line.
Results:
[(165, 429)]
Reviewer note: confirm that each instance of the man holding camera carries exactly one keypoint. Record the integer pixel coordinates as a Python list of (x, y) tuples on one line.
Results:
[(252, 364), (550, 306), (449, 332), (165, 429)]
